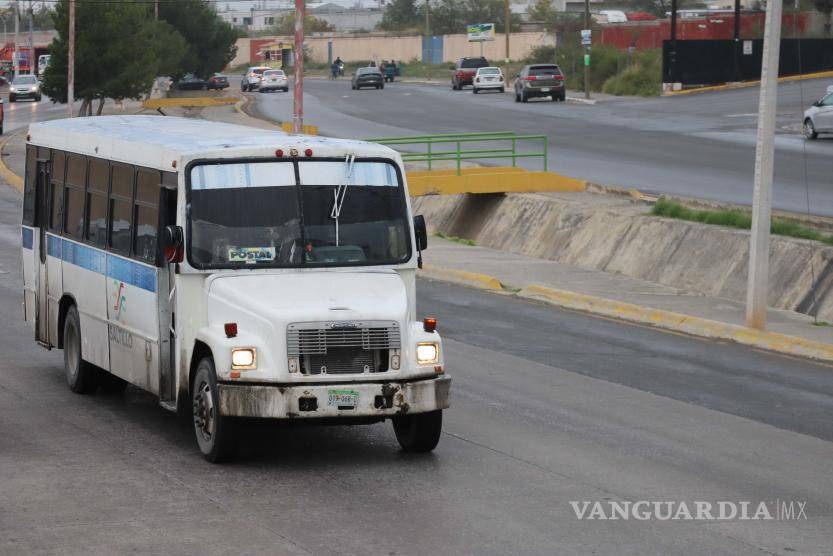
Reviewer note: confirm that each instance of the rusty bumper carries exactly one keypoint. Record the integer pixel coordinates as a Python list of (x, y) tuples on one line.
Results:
[(309, 401)]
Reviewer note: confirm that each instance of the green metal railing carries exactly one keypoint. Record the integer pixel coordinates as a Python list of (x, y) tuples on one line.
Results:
[(506, 148)]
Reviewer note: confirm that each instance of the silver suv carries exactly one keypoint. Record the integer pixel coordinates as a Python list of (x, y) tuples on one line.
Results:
[(252, 78)]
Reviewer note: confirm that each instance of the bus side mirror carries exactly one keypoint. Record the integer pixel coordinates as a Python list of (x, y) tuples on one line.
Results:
[(420, 233), (174, 240)]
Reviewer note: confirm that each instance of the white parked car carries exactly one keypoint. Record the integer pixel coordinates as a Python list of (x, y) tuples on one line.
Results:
[(488, 78), (251, 80), (273, 80), (819, 117)]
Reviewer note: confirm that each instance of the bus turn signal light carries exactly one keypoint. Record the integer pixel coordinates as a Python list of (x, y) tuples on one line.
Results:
[(429, 324)]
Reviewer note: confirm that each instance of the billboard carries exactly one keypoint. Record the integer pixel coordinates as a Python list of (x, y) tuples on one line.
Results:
[(479, 32)]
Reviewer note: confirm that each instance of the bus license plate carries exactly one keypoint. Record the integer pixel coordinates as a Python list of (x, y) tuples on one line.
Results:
[(343, 399)]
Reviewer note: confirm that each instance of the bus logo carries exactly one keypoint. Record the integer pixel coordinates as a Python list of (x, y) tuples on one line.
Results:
[(118, 306)]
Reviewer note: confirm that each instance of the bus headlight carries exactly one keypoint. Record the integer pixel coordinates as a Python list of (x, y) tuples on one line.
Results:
[(427, 353), (243, 358)]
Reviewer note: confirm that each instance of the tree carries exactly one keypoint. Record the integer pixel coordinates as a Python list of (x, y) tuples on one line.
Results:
[(450, 17), (825, 7), (400, 15), (210, 40), (119, 50), (286, 25)]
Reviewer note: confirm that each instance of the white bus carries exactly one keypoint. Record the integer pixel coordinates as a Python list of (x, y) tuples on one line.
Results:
[(234, 271)]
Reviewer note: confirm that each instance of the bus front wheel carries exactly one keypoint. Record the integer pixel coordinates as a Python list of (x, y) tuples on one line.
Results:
[(81, 376), (420, 432), (215, 436)]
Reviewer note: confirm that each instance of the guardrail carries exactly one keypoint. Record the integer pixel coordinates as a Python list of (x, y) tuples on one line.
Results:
[(463, 150)]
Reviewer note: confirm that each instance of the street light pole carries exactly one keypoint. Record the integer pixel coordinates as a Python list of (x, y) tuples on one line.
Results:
[(507, 17), (16, 64), (298, 90), (31, 40), (428, 36), (71, 59), (758, 285), (587, 51)]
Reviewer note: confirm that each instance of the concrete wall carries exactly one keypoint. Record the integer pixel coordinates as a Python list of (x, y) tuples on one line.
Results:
[(377, 46), (696, 257)]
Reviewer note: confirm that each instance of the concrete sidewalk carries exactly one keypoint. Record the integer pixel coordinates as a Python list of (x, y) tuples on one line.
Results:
[(608, 293)]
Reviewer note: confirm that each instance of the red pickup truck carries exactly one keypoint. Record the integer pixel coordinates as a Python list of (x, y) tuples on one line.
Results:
[(464, 70)]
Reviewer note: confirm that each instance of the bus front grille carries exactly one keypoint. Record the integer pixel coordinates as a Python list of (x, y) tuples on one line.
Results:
[(342, 347)]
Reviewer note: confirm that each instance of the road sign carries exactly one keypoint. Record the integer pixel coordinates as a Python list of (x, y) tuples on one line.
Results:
[(480, 32), (587, 60), (747, 48), (586, 36)]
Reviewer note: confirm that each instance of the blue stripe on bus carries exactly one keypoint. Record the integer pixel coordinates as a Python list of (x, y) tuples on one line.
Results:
[(53, 246), (83, 256), (98, 261), (27, 238), (131, 273)]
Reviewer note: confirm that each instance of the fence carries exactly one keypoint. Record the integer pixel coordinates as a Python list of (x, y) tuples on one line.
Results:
[(708, 62), (486, 146)]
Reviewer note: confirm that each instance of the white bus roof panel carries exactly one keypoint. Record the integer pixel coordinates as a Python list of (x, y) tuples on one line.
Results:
[(158, 141)]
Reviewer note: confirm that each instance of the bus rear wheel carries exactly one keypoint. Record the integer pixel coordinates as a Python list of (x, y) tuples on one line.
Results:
[(81, 376), (215, 434), (420, 432)]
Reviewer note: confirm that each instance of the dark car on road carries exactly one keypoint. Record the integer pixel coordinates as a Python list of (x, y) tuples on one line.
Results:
[(218, 81), (540, 80), (367, 77), (191, 82), (464, 70)]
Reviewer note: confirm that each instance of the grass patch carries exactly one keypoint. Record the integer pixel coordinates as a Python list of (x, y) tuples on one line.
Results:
[(455, 239), (736, 219)]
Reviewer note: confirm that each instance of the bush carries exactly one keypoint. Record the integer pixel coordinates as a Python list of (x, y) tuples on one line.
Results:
[(642, 78)]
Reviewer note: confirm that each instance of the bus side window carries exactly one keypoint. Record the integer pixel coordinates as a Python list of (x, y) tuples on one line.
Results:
[(56, 191), (146, 214), (29, 184), (74, 195), (121, 208), (97, 190)]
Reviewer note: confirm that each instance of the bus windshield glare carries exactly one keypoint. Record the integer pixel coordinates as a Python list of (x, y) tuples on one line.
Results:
[(335, 213)]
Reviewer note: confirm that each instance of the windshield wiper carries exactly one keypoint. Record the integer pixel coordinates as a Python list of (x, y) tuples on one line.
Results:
[(341, 191)]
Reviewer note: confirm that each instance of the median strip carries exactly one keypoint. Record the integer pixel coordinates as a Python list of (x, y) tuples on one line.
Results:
[(5, 172)]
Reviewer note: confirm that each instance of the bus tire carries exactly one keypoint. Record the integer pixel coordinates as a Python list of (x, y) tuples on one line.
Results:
[(81, 376), (420, 432), (215, 435)]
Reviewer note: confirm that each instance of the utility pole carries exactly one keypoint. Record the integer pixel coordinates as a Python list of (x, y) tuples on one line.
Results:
[(71, 59), (156, 9), (16, 68), (507, 17), (587, 51), (736, 42), (758, 286), (428, 36), (298, 91), (31, 40)]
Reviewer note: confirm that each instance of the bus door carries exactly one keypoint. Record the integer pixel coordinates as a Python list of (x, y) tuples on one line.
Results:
[(167, 298), (41, 275)]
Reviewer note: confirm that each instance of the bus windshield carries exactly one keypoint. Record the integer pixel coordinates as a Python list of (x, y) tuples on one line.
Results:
[(334, 213)]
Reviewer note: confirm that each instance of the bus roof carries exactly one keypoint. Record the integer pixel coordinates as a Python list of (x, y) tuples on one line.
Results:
[(158, 141)]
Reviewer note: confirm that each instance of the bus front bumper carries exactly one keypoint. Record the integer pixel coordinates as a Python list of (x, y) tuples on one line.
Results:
[(362, 399)]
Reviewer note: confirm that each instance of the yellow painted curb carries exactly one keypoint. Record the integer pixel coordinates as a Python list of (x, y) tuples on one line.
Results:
[(490, 180), (5, 172), (184, 102), (669, 320), (306, 129), (477, 280), (746, 84)]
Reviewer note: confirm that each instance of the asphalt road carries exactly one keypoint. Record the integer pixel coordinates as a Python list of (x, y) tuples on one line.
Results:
[(698, 145), (548, 407)]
